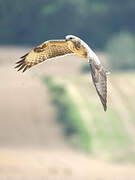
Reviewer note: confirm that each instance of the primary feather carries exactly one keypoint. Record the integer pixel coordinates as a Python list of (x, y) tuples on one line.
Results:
[(100, 81), (72, 45), (45, 51)]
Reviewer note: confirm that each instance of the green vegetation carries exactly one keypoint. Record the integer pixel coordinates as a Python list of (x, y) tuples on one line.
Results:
[(106, 25), (95, 21), (121, 50), (107, 130), (82, 116), (67, 112)]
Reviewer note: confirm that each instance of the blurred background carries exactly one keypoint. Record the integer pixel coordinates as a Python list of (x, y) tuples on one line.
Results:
[(52, 124)]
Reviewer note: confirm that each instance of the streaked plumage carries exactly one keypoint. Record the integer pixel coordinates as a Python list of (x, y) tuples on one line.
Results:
[(72, 45), (45, 51)]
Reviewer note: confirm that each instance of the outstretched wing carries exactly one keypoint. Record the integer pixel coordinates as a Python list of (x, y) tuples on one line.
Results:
[(45, 51), (100, 81)]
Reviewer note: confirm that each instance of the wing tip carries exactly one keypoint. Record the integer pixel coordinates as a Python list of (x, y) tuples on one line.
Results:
[(104, 103), (105, 108), (22, 57), (21, 65)]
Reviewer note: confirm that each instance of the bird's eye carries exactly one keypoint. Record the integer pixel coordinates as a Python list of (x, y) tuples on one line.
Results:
[(70, 38)]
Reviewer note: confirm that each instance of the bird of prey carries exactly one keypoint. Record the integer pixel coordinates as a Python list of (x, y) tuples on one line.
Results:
[(71, 45)]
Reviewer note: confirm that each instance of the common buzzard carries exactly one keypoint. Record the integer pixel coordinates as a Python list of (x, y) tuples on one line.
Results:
[(71, 45)]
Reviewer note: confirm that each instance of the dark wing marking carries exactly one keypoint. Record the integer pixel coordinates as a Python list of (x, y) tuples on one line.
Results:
[(45, 51)]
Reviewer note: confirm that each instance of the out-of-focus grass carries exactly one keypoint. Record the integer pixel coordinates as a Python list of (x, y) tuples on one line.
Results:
[(67, 112), (102, 133), (107, 130), (110, 136)]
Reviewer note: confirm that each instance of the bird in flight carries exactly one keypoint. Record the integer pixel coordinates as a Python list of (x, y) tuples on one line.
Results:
[(71, 45)]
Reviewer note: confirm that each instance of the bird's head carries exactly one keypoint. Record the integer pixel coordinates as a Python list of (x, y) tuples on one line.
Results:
[(72, 42), (71, 38)]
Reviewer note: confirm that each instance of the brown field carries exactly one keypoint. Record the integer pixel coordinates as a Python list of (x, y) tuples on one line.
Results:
[(32, 144)]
